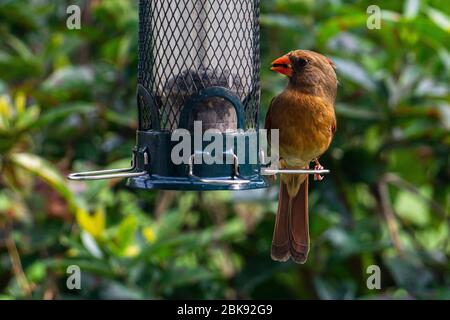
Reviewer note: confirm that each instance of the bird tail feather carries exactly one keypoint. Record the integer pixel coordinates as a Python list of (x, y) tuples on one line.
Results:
[(291, 234)]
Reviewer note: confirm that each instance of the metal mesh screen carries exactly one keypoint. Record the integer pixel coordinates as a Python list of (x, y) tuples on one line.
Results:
[(188, 45)]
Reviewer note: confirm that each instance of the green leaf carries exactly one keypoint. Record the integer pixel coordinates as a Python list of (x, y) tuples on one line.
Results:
[(356, 112), (412, 209), (194, 240), (439, 18), (411, 9), (46, 171), (182, 277), (355, 73), (20, 48), (91, 245), (36, 272), (270, 20), (70, 78), (96, 266), (346, 22), (27, 118), (61, 113), (409, 272), (125, 234)]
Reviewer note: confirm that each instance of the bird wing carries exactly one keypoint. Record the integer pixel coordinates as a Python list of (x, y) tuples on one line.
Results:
[(268, 121), (333, 128)]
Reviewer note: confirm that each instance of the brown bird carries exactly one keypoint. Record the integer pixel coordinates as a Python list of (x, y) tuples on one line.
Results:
[(304, 114)]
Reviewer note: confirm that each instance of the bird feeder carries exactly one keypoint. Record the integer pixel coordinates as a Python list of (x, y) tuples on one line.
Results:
[(199, 61)]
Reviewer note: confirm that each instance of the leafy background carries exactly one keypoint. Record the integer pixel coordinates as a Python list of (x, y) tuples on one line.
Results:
[(67, 104)]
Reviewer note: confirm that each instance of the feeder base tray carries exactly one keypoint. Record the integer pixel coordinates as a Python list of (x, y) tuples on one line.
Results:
[(168, 183)]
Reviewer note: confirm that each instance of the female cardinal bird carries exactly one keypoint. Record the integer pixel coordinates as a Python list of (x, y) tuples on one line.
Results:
[(304, 114)]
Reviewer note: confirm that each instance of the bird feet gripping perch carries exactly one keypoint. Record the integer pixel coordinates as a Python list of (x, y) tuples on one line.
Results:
[(318, 166)]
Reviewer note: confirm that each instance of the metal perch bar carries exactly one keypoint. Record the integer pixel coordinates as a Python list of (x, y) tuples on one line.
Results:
[(106, 174), (110, 174), (268, 171)]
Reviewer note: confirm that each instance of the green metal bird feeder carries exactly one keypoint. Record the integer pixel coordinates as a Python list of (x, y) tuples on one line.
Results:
[(199, 61)]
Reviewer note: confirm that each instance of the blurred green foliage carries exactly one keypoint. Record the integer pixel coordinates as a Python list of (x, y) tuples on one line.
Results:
[(67, 103)]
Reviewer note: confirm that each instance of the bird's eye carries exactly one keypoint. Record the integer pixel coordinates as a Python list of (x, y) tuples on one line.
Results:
[(298, 62), (302, 62)]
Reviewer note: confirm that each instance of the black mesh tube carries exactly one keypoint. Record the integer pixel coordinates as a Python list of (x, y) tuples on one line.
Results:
[(189, 45)]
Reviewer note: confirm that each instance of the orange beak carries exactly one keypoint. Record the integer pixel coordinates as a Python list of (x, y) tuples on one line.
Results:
[(283, 65)]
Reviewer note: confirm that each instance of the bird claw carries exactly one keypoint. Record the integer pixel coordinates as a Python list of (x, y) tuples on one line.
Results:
[(318, 166)]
